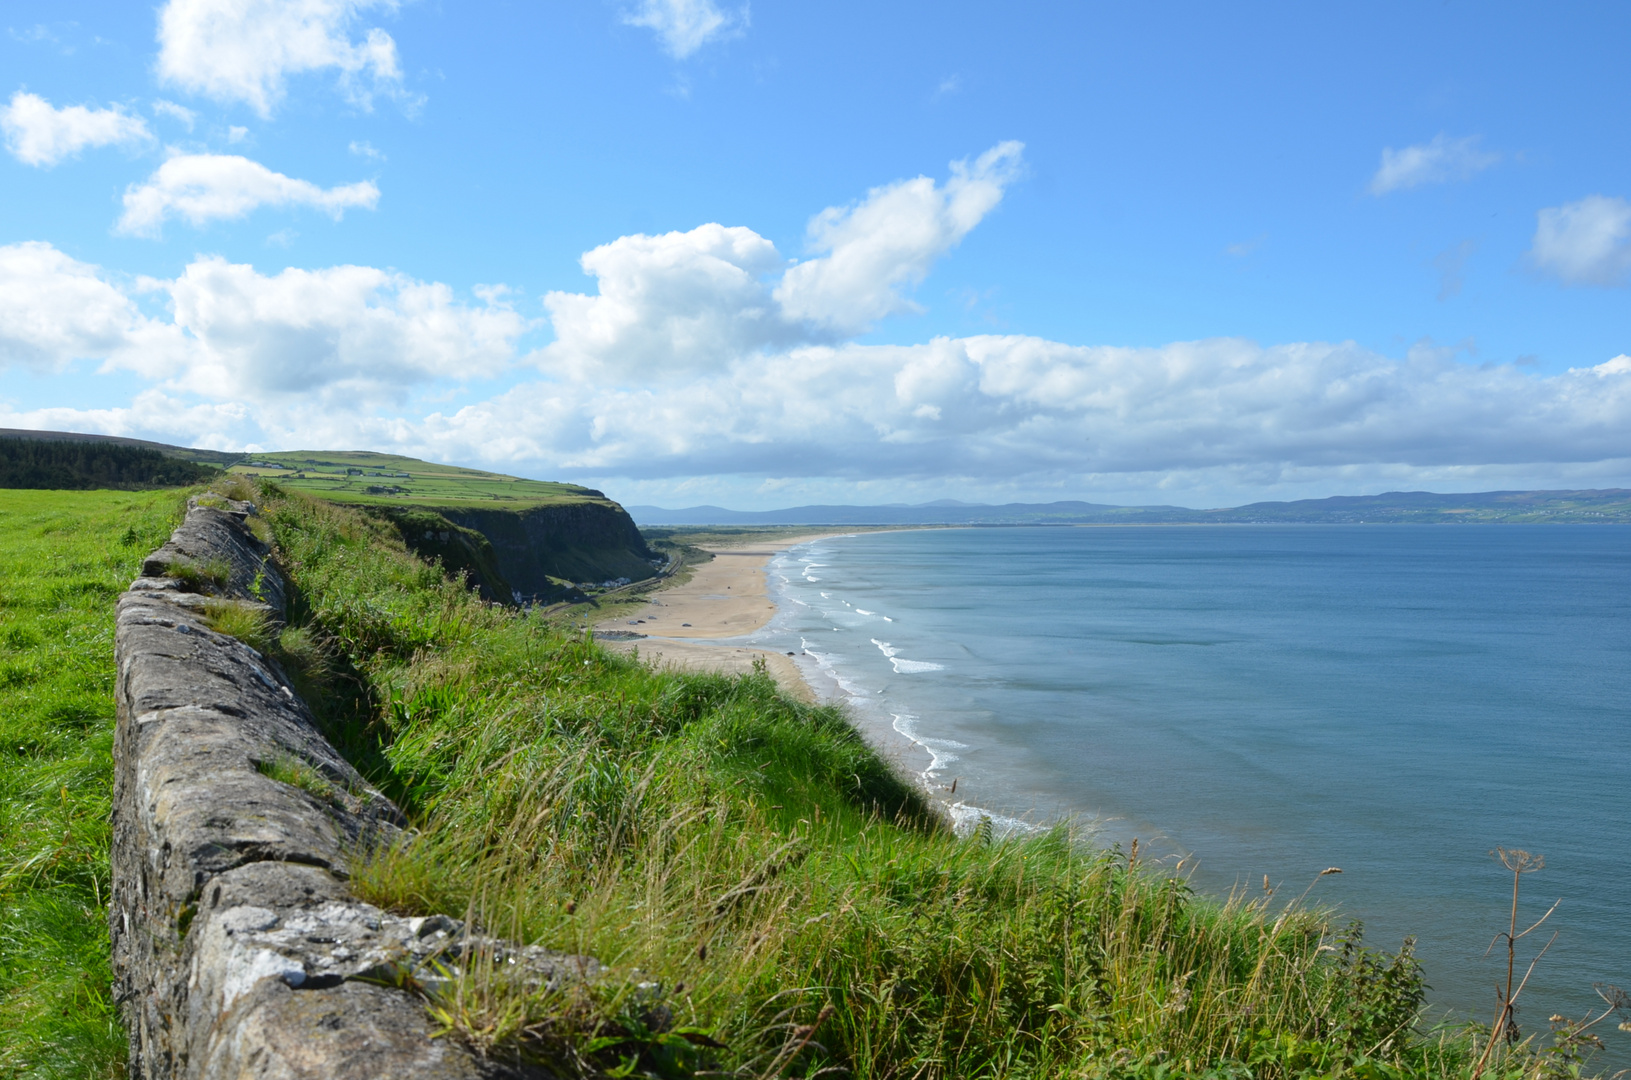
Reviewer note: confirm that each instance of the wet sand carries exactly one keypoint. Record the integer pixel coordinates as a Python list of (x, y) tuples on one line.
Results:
[(725, 598)]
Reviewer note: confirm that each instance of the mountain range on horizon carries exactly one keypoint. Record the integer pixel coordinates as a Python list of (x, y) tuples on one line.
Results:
[(1394, 507)]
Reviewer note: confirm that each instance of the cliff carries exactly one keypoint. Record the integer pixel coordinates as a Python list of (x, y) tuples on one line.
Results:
[(586, 541)]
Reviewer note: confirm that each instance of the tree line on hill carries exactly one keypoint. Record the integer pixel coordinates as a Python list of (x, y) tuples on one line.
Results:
[(82, 466)]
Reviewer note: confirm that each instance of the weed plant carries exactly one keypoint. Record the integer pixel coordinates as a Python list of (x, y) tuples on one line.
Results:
[(771, 898), (64, 558)]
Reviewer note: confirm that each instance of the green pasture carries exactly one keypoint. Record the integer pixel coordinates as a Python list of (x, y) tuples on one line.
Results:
[(366, 478), (64, 558)]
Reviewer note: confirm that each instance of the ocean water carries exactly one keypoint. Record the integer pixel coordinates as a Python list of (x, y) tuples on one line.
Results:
[(1395, 701)]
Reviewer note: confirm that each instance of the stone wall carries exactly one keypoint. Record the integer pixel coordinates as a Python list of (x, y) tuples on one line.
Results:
[(238, 949)]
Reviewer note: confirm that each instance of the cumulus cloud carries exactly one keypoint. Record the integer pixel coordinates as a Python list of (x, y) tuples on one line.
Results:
[(995, 409), (152, 414), (244, 50), (695, 357), (672, 305), (341, 338), (1586, 242), (684, 26), (667, 305), (1437, 162), (205, 187), (889, 240), (39, 134), (55, 309), (346, 334)]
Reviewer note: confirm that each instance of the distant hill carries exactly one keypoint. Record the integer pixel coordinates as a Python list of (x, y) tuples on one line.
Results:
[(70, 465), (1394, 507), (515, 539), (183, 453), (370, 479)]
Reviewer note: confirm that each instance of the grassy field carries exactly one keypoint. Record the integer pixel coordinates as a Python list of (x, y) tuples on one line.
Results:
[(64, 557), (367, 478)]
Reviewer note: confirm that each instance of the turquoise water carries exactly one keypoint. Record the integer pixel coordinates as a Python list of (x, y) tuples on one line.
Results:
[(1392, 700)]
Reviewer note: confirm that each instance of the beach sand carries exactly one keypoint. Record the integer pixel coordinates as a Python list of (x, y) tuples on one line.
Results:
[(725, 598)]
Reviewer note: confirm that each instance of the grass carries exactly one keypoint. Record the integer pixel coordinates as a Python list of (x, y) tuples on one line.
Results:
[(64, 557), (248, 623), (772, 899), (348, 476)]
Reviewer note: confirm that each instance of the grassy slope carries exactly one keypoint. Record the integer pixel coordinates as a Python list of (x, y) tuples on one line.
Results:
[(64, 556), (788, 894), (749, 854), (324, 472)]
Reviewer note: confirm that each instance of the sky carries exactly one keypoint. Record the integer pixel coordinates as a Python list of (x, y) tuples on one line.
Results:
[(695, 252)]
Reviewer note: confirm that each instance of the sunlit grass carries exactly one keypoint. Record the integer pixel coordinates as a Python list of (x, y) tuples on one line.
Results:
[(771, 898), (64, 558)]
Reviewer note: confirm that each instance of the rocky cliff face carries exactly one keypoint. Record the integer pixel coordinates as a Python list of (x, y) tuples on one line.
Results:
[(238, 950), (585, 541)]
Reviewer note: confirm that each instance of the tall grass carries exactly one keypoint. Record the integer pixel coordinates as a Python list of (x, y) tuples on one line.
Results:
[(64, 557), (771, 898)]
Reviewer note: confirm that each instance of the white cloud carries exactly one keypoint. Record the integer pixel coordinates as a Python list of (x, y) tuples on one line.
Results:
[(1442, 160), (179, 113), (996, 410), (236, 134), (55, 309), (152, 414), (38, 134), (684, 26), (365, 149), (205, 187), (889, 240), (1587, 242), (346, 335), (667, 305), (244, 50), (686, 364), (335, 339)]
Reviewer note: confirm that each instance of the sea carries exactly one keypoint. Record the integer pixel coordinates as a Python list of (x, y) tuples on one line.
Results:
[(1262, 703)]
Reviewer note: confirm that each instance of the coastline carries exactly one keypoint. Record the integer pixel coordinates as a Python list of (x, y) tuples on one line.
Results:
[(690, 624), (696, 625)]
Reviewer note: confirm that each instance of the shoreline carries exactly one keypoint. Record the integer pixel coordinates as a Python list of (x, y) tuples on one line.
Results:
[(698, 624), (693, 624)]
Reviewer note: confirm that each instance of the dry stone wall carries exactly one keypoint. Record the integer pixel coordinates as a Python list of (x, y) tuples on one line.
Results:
[(238, 949)]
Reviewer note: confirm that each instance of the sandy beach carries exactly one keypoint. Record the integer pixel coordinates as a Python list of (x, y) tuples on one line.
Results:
[(728, 597)]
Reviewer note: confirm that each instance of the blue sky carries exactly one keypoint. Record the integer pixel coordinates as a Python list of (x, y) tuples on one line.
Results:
[(694, 252)]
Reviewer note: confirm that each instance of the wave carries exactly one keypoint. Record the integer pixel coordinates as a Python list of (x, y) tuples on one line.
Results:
[(825, 663), (904, 666), (942, 752)]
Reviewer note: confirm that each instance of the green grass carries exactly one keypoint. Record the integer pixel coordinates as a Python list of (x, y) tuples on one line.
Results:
[(346, 476), (64, 558), (773, 900)]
